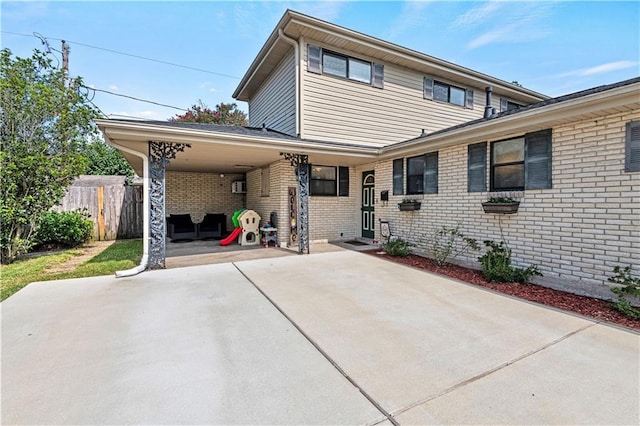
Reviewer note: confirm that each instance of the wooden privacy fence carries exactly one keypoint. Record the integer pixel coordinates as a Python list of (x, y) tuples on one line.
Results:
[(116, 210)]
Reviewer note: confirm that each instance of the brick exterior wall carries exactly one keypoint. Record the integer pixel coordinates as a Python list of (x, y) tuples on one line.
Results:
[(330, 218), (575, 232), (201, 193)]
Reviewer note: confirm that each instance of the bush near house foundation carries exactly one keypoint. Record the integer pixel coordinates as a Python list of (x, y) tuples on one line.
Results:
[(448, 243), (630, 286), (397, 247), (497, 267)]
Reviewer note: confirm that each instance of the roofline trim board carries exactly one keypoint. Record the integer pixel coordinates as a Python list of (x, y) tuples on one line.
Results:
[(142, 132), (290, 17)]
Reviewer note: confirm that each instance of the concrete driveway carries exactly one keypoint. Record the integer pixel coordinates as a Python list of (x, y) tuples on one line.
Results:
[(330, 338)]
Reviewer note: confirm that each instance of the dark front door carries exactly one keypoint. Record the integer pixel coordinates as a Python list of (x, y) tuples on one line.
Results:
[(368, 198)]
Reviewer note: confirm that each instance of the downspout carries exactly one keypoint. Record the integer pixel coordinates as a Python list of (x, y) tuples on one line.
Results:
[(145, 219), (296, 50)]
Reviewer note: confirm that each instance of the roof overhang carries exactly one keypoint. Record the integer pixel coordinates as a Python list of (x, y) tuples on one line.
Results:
[(219, 152), (296, 25), (619, 100)]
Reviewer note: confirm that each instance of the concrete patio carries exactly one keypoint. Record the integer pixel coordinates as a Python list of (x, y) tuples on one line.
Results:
[(330, 338)]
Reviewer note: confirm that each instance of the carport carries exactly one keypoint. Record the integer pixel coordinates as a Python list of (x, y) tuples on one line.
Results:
[(155, 147)]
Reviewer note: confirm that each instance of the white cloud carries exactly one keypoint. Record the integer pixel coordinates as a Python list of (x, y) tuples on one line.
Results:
[(599, 69), (611, 66), (411, 16), (213, 90), (113, 87), (477, 14), (526, 21)]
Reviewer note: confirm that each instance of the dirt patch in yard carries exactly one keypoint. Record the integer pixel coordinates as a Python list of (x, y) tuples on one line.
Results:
[(590, 307), (88, 251)]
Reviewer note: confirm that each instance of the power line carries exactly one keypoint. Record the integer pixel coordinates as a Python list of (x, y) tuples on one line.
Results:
[(134, 98), (42, 38)]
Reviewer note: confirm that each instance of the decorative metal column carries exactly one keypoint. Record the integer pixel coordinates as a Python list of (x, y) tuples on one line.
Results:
[(301, 163), (159, 155)]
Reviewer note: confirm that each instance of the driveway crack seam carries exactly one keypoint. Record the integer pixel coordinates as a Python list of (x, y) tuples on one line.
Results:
[(492, 370), (322, 352)]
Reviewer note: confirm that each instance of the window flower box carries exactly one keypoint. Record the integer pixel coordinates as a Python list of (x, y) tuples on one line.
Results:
[(501, 206), (409, 205)]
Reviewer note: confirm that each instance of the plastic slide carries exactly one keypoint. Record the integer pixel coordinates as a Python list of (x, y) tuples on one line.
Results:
[(232, 237), (238, 229)]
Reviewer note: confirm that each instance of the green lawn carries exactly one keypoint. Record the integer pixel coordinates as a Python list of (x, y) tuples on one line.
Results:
[(119, 256)]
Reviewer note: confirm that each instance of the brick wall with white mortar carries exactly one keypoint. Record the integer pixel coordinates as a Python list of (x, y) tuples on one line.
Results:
[(201, 193), (575, 232), (330, 218)]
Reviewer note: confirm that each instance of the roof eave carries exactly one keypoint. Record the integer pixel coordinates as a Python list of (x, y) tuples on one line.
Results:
[(144, 132), (538, 118)]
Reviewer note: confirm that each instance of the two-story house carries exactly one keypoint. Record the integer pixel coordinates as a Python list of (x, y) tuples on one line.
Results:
[(379, 123)]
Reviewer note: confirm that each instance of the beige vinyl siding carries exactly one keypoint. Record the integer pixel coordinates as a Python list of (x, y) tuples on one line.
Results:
[(275, 103), (336, 109)]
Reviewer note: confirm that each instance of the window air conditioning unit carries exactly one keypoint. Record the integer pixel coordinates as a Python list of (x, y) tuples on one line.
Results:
[(239, 187)]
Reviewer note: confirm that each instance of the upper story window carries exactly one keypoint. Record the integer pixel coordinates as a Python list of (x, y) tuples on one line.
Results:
[(445, 92), (522, 163), (422, 174), (506, 104), (321, 61), (329, 180)]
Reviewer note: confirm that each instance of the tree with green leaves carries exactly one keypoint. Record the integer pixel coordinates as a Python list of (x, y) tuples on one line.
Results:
[(44, 122), (105, 160), (223, 114)]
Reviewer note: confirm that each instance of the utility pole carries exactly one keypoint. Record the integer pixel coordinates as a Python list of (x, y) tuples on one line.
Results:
[(65, 59)]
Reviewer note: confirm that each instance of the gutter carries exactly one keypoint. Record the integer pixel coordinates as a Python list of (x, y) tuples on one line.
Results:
[(296, 49), (145, 220)]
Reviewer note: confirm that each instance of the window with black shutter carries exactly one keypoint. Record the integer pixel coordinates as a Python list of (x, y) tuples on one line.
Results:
[(632, 147), (422, 174), (477, 167), (522, 163), (322, 61), (329, 180), (398, 176), (444, 92)]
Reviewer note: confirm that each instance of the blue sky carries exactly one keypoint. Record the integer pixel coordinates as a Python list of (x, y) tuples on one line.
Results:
[(553, 47)]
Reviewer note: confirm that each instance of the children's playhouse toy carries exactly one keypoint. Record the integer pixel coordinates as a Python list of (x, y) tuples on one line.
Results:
[(246, 224)]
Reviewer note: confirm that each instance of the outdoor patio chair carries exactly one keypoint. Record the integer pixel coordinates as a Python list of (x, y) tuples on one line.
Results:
[(214, 225), (181, 227)]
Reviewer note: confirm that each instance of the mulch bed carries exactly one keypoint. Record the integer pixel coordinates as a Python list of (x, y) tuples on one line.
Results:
[(595, 308)]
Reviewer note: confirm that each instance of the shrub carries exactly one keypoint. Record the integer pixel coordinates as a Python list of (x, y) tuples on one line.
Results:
[(496, 265), (397, 247), (630, 287), (448, 243), (66, 229)]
